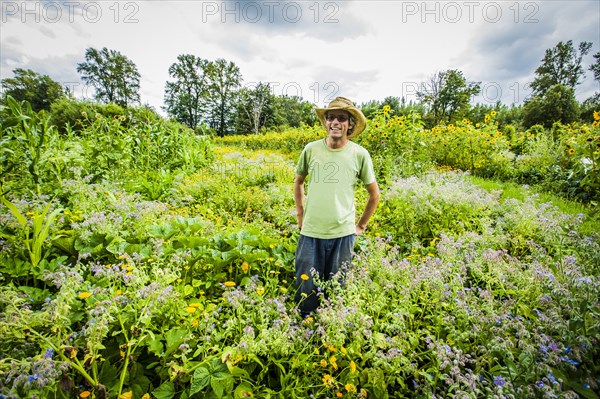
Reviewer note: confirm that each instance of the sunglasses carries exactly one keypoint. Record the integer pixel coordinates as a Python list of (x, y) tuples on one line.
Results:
[(340, 118)]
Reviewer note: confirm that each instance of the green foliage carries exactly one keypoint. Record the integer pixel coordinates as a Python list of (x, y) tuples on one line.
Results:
[(38, 90), (186, 98), (165, 266), (557, 104), (114, 76), (561, 65), (448, 96)]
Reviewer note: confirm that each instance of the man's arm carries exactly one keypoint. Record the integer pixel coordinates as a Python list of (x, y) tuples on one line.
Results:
[(373, 190), (299, 198)]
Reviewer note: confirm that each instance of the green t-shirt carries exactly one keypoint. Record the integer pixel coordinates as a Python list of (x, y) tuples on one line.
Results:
[(333, 175)]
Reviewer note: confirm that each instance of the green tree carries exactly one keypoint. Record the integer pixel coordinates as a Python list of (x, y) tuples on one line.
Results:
[(186, 97), (40, 91), (224, 80), (592, 104), (448, 95), (114, 76), (557, 104), (561, 65), (292, 111), (254, 107)]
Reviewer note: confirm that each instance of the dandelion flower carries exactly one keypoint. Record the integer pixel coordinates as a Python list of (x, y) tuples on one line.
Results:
[(350, 388), (333, 362), (352, 367), (190, 309), (304, 277), (126, 395), (229, 284), (85, 295), (85, 394), (328, 380), (323, 363), (245, 267)]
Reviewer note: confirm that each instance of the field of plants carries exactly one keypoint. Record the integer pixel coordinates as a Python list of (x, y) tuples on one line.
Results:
[(139, 260)]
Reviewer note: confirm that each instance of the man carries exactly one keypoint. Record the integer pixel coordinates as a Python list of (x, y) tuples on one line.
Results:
[(327, 220)]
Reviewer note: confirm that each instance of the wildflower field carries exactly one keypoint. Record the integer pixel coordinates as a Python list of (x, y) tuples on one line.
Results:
[(138, 260)]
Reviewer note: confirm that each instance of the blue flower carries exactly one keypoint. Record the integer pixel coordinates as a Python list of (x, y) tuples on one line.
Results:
[(49, 353), (499, 380), (552, 378), (539, 384)]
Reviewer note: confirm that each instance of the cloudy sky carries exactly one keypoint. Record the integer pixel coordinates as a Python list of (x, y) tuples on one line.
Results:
[(364, 50)]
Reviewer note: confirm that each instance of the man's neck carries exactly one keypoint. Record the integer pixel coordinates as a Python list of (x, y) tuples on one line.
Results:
[(336, 143)]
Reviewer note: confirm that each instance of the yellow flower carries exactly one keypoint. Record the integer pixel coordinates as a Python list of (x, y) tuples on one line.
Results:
[(85, 295), (245, 267), (352, 367), (126, 395), (350, 388), (195, 323), (283, 290), (304, 277), (323, 363), (333, 362), (493, 113), (229, 284), (260, 290), (571, 151), (328, 380), (85, 394), (330, 347), (119, 292), (146, 396), (190, 309), (339, 394), (344, 350)]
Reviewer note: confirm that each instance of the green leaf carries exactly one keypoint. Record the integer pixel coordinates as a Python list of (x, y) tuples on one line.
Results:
[(165, 391), (200, 380), (217, 387), (244, 390)]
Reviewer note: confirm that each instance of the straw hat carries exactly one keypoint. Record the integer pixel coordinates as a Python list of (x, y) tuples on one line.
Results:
[(342, 103)]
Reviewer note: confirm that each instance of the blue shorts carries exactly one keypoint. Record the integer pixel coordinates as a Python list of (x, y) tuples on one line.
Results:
[(324, 257)]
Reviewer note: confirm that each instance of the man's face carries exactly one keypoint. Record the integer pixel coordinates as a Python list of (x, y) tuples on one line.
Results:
[(337, 123)]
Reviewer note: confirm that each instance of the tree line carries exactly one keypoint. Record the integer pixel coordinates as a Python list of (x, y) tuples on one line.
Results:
[(208, 94)]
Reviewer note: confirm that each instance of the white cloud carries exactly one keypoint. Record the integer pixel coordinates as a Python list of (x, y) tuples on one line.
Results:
[(366, 50)]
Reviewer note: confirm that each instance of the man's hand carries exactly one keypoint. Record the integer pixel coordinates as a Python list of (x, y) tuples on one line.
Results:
[(359, 230)]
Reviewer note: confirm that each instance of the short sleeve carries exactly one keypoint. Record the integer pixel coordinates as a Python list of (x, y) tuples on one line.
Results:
[(367, 172), (302, 165)]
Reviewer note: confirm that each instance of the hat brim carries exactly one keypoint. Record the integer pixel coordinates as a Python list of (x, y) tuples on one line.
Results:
[(361, 121)]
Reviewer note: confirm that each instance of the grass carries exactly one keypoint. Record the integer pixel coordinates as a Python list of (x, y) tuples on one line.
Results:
[(517, 191)]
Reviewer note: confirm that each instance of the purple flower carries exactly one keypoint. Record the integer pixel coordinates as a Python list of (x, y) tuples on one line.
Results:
[(499, 380)]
